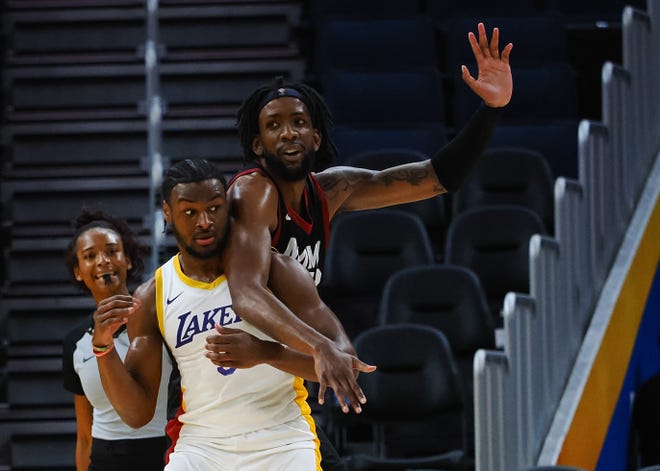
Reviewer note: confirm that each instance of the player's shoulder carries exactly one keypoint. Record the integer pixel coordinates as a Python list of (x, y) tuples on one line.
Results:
[(251, 179), (252, 185), (146, 290)]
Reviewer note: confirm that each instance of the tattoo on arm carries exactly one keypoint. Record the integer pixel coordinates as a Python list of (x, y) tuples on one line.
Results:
[(415, 177), (342, 182)]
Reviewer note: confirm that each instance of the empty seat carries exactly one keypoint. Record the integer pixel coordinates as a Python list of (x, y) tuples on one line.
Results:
[(442, 11), (217, 88), (509, 176), (118, 91), (385, 98), (36, 383), (591, 12), (426, 138), (56, 150), (364, 249), (451, 299), (493, 242), (45, 208), (39, 263), (415, 389), (44, 444), (321, 10), (247, 29), (537, 40), (103, 33), (212, 139), (94, 89), (556, 141), (25, 318), (543, 94), (370, 45)]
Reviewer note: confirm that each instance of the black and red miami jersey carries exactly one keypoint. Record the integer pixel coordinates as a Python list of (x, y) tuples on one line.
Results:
[(304, 235)]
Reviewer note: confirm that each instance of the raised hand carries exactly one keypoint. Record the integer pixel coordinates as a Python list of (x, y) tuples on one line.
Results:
[(494, 83), (338, 371), (111, 313)]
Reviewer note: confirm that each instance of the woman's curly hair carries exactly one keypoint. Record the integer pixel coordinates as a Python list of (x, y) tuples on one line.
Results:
[(133, 247)]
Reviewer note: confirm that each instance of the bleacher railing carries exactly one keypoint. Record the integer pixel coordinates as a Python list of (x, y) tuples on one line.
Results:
[(517, 391), (154, 106)]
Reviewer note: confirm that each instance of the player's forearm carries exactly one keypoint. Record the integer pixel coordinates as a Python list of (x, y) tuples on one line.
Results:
[(454, 162), (291, 361), (325, 321), (262, 309), (127, 396)]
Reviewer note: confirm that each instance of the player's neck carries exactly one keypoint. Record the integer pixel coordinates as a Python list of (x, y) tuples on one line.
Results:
[(200, 269), (292, 192)]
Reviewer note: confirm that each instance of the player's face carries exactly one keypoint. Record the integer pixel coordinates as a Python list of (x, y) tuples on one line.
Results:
[(197, 213), (102, 263), (287, 139)]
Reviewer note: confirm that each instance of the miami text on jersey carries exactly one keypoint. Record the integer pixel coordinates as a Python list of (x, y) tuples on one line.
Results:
[(309, 257)]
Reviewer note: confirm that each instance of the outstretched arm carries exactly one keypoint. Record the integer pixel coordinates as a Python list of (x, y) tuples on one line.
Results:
[(131, 386), (253, 206), (349, 189)]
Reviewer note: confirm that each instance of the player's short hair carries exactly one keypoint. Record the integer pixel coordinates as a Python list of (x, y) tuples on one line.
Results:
[(190, 171)]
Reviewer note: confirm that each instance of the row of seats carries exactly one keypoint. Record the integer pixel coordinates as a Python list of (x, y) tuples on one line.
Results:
[(366, 248), (75, 80), (75, 133), (504, 175), (405, 90), (42, 211), (585, 13), (380, 271)]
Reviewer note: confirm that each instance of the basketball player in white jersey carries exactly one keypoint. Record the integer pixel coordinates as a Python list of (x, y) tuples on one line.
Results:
[(243, 396)]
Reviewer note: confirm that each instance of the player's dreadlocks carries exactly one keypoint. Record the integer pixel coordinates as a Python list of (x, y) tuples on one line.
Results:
[(248, 118)]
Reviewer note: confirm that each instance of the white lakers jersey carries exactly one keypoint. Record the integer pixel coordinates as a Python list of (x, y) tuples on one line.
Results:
[(220, 402)]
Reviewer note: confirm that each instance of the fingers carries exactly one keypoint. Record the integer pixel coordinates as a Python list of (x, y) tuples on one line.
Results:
[(343, 404), (363, 367), (483, 40), (474, 45), (351, 396), (118, 302), (506, 52), (220, 358), (494, 43), (115, 311), (467, 77), (481, 48), (323, 387)]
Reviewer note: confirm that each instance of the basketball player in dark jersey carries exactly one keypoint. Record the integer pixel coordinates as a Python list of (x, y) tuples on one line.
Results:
[(288, 199), (304, 235)]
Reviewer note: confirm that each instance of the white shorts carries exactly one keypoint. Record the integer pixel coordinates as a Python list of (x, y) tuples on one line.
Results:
[(287, 447)]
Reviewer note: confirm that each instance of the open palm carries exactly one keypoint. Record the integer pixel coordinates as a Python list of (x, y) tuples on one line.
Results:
[(494, 83)]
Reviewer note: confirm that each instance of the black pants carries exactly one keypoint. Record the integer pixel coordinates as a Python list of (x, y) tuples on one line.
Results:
[(143, 454), (330, 459)]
